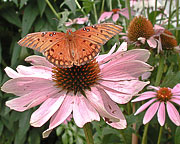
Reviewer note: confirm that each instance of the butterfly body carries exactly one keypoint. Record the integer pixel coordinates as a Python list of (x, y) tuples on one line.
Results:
[(71, 48)]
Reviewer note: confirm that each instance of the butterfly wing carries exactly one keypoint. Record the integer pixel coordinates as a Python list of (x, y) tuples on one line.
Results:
[(52, 44), (88, 41)]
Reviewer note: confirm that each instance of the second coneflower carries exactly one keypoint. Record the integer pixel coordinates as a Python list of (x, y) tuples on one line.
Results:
[(140, 27)]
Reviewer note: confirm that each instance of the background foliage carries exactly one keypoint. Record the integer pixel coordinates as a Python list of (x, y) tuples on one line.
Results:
[(19, 17)]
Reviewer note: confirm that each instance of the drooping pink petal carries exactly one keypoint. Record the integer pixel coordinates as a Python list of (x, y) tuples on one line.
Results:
[(144, 106), (123, 47), (31, 99), (158, 30), (135, 54), (145, 75), (151, 111), (81, 20), (83, 111), (115, 17), (47, 109), (61, 115), (104, 105), (24, 85), (35, 71), (161, 114), (176, 96), (71, 22), (122, 91), (175, 100), (38, 60), (12, 73), (173, 113), (153, 87), (125, 70), (142, 40), (125, 12), (104, 16), (152, 42), (145, 95), (176, 89)]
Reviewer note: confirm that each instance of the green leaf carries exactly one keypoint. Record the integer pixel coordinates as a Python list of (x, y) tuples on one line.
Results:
[(39, 24), (34, 137), (71, 4), (1, 128), (30, 14), (11, 16), (22, 3), (41, 6), (16, 2), (15, 54), (65, 138), (177, 135), (23, 127)]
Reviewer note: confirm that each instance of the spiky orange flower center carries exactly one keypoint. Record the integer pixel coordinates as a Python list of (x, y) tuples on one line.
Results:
[(77, 78), (164, 94), (167, 40), (140, 27), (115, 10)]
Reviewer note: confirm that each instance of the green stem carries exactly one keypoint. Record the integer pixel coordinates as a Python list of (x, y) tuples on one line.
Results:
[(144, 139), (78, 5), (95, 13), (129, 9), (144, 8), (178, 60), (129, 108), (160, 70), (155, 13), (88, 133), (169, 20), (160, 134), (102, 7), (164, 9), (110, 5), (53, 10), (177, 18)]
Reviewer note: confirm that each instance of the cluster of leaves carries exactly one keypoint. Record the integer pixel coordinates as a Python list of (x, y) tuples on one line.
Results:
[(21, 17)]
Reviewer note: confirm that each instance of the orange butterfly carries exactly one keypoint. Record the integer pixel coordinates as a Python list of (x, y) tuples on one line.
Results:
[(71, 48)]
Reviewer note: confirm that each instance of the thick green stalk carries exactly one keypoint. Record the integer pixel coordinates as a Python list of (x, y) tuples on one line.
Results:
[(102, 6), (95, 12), (110, 5), (155, 13), (169, 20), (160, 134), (144, 8), (162, 14), (88, 133), (144, 139), (78, 5), (129, 9), (53, 10), (160, 70), (177, 18)]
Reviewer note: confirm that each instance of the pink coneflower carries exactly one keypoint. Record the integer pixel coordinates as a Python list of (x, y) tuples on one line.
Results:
[(161, 99), (115, 14), (76, 21), (87, 92)]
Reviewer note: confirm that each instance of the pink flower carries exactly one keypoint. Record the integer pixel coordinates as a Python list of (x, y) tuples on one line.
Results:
[(87, 92), (115, 14), (161, 99), (77, 21)]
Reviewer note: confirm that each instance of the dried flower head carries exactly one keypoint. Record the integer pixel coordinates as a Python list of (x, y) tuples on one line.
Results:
[(140, 27)]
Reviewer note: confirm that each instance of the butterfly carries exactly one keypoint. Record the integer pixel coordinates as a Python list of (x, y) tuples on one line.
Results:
[(71, 48)]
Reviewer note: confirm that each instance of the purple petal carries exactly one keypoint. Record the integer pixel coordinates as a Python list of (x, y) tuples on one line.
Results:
[(145, 95), (173, 113), (161, 114), (35, 71), (124, 70), (104, 105), (176, 90), (31, 99), (158, 30), (152, 42), (104, 16), (177, 101), (142, 40), (24, 85), (12, 73), (125, 12), (122, 92), (81, 20), (61, 115), (47, 109), (144, 106), (115, 17), (151, 112), (38, 60), (83, 112)]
